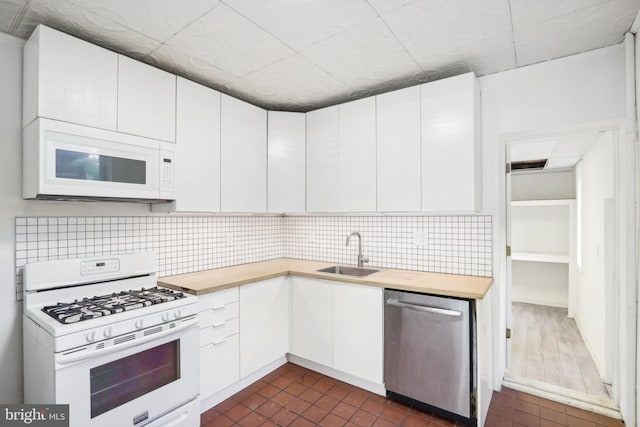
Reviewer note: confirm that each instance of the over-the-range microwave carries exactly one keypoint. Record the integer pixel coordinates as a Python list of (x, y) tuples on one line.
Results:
[(65, 161)]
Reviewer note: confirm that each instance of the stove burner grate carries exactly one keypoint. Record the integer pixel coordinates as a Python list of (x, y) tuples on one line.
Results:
[(99, 306)]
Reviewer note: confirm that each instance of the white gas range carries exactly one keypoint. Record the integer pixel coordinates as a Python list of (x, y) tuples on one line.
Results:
[(100, 336)]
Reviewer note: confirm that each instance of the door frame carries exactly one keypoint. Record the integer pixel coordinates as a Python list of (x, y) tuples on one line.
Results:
[(624, 370)]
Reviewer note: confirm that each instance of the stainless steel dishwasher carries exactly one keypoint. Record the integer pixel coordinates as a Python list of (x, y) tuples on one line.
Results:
[(428, 360)]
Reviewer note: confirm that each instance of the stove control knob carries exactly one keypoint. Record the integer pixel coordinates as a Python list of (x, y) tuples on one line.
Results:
[(140, 323), (91, 336), (177, 314), (108, 333), (166, 316)]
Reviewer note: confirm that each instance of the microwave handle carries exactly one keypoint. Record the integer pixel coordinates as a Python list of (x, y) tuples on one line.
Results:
[(74, 358)]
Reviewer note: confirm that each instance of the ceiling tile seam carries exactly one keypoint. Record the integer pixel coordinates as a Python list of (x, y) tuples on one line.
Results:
[(513, 34), (287, 45), (19, 16), (190, 24), (424, 73)]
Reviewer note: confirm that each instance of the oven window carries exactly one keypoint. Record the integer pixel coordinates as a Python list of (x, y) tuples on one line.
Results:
[(126, 379), (97, 167)]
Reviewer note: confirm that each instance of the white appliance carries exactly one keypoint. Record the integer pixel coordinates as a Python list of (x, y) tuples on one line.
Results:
[(101, 337), (63, 161)]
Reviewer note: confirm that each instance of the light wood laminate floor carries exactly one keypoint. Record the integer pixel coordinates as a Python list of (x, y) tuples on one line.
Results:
[(547, 346)]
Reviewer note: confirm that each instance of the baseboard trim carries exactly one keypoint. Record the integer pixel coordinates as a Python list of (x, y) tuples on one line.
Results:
[(601, 406), (338, 375), (211, 401)]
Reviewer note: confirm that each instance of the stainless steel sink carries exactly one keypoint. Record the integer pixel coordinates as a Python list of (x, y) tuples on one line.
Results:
[(348, 271)]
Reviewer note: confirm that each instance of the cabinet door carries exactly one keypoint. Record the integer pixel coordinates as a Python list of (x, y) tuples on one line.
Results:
[(68, 79), (264, 323), (311, 320), (198, 146), (244, 157), (451, 143), (146, 100), (358, 330), (322, 160), (219, 365), (398, 158), (286, 161), (357, 156)]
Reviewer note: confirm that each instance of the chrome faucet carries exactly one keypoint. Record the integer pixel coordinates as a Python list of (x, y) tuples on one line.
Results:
[(361, 259)]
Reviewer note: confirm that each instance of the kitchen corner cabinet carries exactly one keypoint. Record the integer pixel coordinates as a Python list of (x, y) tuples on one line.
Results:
[(219, 341), (398, 151), (323, 136), (451, 142), (358, 330), (243, 142), (68, 79), (198, 148), (338, 325), (312, 320), (146, 100), (264, 323), (286, 141), (357, 156)]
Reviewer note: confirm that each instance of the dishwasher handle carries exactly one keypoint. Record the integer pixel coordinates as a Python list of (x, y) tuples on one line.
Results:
[(411, 306)]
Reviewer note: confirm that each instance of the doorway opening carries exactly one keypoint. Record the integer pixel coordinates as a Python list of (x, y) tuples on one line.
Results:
[(560, 266)]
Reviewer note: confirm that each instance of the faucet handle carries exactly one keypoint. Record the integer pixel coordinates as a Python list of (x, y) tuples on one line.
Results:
[(362, 260)]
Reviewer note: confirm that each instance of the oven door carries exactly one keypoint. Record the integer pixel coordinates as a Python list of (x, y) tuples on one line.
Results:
[(130, 384)]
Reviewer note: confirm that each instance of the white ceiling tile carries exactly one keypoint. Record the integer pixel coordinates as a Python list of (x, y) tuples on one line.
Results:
[(477, 19), (423, 30), (300, 24), (65, 16), (574, 146), (386, 6), (364, 57), (8, 11), (561, 162), (178, 62), (158, 19), (537, 150), (229, 41), (586, 29), (489, 55), (526, 12), (298, 80), (253, 93)]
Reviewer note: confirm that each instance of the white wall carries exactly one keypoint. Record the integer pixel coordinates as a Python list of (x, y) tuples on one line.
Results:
[(531, 101), (543, 185), (12, 205), (597, 187), (545, 283)]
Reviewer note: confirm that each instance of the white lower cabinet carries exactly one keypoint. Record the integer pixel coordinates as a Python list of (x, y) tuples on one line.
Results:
[(219, 341), (312, 319), (358, 330), (264, 323), (338, 325)]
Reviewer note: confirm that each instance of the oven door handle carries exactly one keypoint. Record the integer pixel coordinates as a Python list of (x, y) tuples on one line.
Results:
[(80, 356)]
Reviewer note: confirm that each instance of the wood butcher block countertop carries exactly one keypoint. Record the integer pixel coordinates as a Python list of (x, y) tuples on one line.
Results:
[(203, 282)]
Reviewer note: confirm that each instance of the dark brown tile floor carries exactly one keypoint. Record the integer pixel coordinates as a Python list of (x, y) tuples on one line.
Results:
[(297, 397)]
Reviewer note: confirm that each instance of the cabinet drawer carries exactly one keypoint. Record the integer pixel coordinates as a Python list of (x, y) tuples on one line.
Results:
[(214, 316), (218, 299), (219, 331), (219, 366)]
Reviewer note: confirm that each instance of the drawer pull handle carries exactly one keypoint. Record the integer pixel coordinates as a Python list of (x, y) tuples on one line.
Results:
[(394, 302), (219, 341), (217, 307), (218, 324)]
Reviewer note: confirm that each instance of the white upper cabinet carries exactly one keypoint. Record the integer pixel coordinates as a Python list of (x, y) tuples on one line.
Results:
[(70, 80), (323, 137), (243, 142), (286, 161), (398, 150), (146, 100), (197, 169), (357, 156), (451, 142)]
